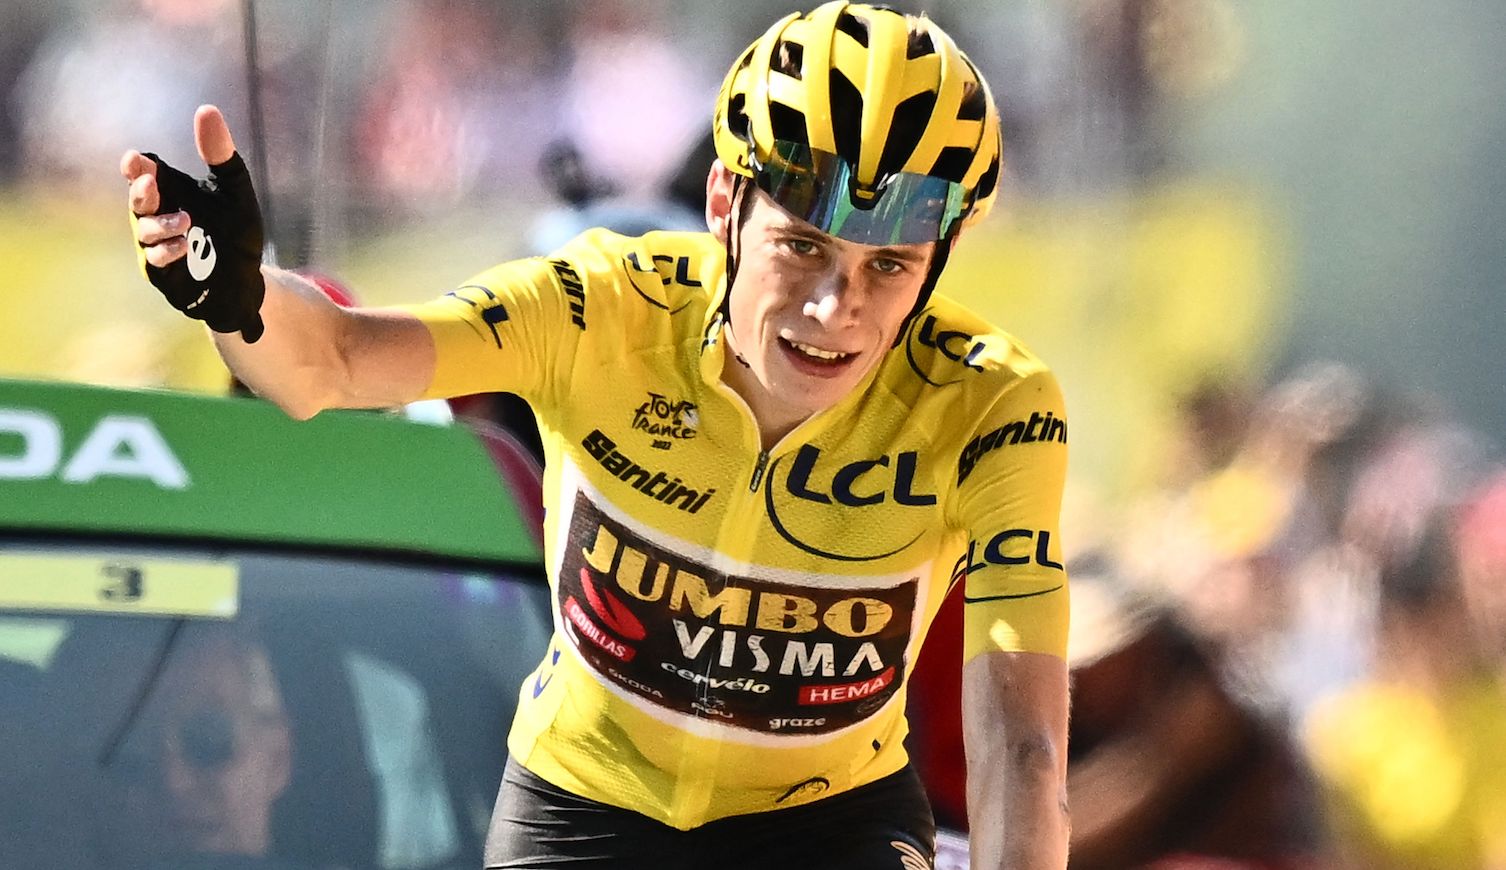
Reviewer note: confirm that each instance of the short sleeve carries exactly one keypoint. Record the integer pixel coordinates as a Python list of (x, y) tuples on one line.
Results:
[(511, 328), (1010, 478)]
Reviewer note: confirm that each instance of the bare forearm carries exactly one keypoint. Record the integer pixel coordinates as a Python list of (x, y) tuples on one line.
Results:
[(296, 362), (316, 355), (1017, 811), (1016, 749)]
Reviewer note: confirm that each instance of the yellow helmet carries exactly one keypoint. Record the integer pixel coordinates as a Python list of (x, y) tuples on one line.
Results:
[(866, 122)]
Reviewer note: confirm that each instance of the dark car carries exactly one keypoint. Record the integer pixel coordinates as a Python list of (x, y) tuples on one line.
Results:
[(232, 640)]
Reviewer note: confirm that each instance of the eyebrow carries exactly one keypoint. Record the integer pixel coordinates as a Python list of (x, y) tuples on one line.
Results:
[(905, 254), (806, 231)]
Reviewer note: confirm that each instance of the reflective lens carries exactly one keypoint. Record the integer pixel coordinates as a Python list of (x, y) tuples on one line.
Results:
[(208, 740), (821, 189)]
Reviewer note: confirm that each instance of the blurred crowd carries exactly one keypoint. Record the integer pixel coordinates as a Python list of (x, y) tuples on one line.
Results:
[(1293, 653), (436, 101), (1290, 653), (361, 120)]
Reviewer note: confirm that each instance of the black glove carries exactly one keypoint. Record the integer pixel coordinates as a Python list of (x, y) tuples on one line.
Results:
[(219, 280)]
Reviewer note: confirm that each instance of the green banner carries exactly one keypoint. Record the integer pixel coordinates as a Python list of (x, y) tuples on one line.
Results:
[(93, 460)]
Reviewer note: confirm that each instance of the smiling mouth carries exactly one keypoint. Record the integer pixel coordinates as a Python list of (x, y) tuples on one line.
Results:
[(813, 353)]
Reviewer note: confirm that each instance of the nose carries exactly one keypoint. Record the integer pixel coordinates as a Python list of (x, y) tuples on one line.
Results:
[(831, 302), (178, 777)]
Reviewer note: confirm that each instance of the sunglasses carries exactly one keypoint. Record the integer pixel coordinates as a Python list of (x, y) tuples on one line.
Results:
[(821, 188), (206, 741)]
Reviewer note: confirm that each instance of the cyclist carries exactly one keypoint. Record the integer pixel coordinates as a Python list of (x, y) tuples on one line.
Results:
[(771, 450)]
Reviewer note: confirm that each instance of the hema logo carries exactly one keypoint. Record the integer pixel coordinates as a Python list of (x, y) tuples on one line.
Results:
[(116, 446)]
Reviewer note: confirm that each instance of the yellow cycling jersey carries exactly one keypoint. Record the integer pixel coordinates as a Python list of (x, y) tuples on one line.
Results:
[(734, 627)]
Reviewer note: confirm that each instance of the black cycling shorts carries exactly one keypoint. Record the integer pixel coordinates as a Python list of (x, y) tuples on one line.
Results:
[(885, 824)]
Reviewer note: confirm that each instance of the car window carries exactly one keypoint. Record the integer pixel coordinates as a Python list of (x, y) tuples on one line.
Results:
[(176, 707)]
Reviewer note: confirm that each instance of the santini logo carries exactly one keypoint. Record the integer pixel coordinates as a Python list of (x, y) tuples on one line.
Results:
[(654, 484), (201, 255), (1037, 428)]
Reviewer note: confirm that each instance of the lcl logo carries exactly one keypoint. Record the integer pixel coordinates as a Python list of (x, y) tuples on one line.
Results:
[(854, 483), (956, 346), (860, 483), (1009, 547)]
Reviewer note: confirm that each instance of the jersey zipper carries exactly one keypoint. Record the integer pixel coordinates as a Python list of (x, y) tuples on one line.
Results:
[(758, 470)]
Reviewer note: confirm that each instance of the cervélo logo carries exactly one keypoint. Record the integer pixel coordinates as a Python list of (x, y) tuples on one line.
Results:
[(666, 419), (675, 634), (656, 485), (1036, 428)]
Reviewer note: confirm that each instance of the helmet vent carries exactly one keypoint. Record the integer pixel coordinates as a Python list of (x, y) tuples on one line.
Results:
[(787, 123), (905, 130), (846, 116), (920, 44), (737, 117), (952, 163), (788, 58), (987, 180), (854, 27), (974, 102)]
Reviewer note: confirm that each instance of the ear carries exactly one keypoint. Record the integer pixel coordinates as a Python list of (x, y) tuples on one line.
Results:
[(719, 200)]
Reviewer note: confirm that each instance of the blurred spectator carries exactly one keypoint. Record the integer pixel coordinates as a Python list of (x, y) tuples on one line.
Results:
[(1090, 87), (116, 76), (1411, 757), (1481, 543), (465, 97), (630, 92), (1312, 568), (589, 200), (1271, 555), (1212, 419), (1165, 764)]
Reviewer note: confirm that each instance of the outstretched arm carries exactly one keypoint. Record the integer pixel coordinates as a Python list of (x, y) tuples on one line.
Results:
[(314, 354), (1014, 720)]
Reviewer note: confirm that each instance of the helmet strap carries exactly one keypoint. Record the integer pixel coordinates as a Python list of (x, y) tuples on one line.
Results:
[(734, 229), (933, 274)]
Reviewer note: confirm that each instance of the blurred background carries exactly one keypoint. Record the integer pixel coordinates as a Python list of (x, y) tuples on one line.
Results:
[(1263, 244)]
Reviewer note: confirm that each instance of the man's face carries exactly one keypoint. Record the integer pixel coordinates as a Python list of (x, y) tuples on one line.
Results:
[(218, 760), (811, 314)]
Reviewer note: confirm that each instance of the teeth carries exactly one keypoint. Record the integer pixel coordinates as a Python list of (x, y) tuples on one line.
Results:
[(816, 352)]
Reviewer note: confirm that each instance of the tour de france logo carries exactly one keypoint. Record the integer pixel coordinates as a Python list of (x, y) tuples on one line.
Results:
[(666, 420)]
